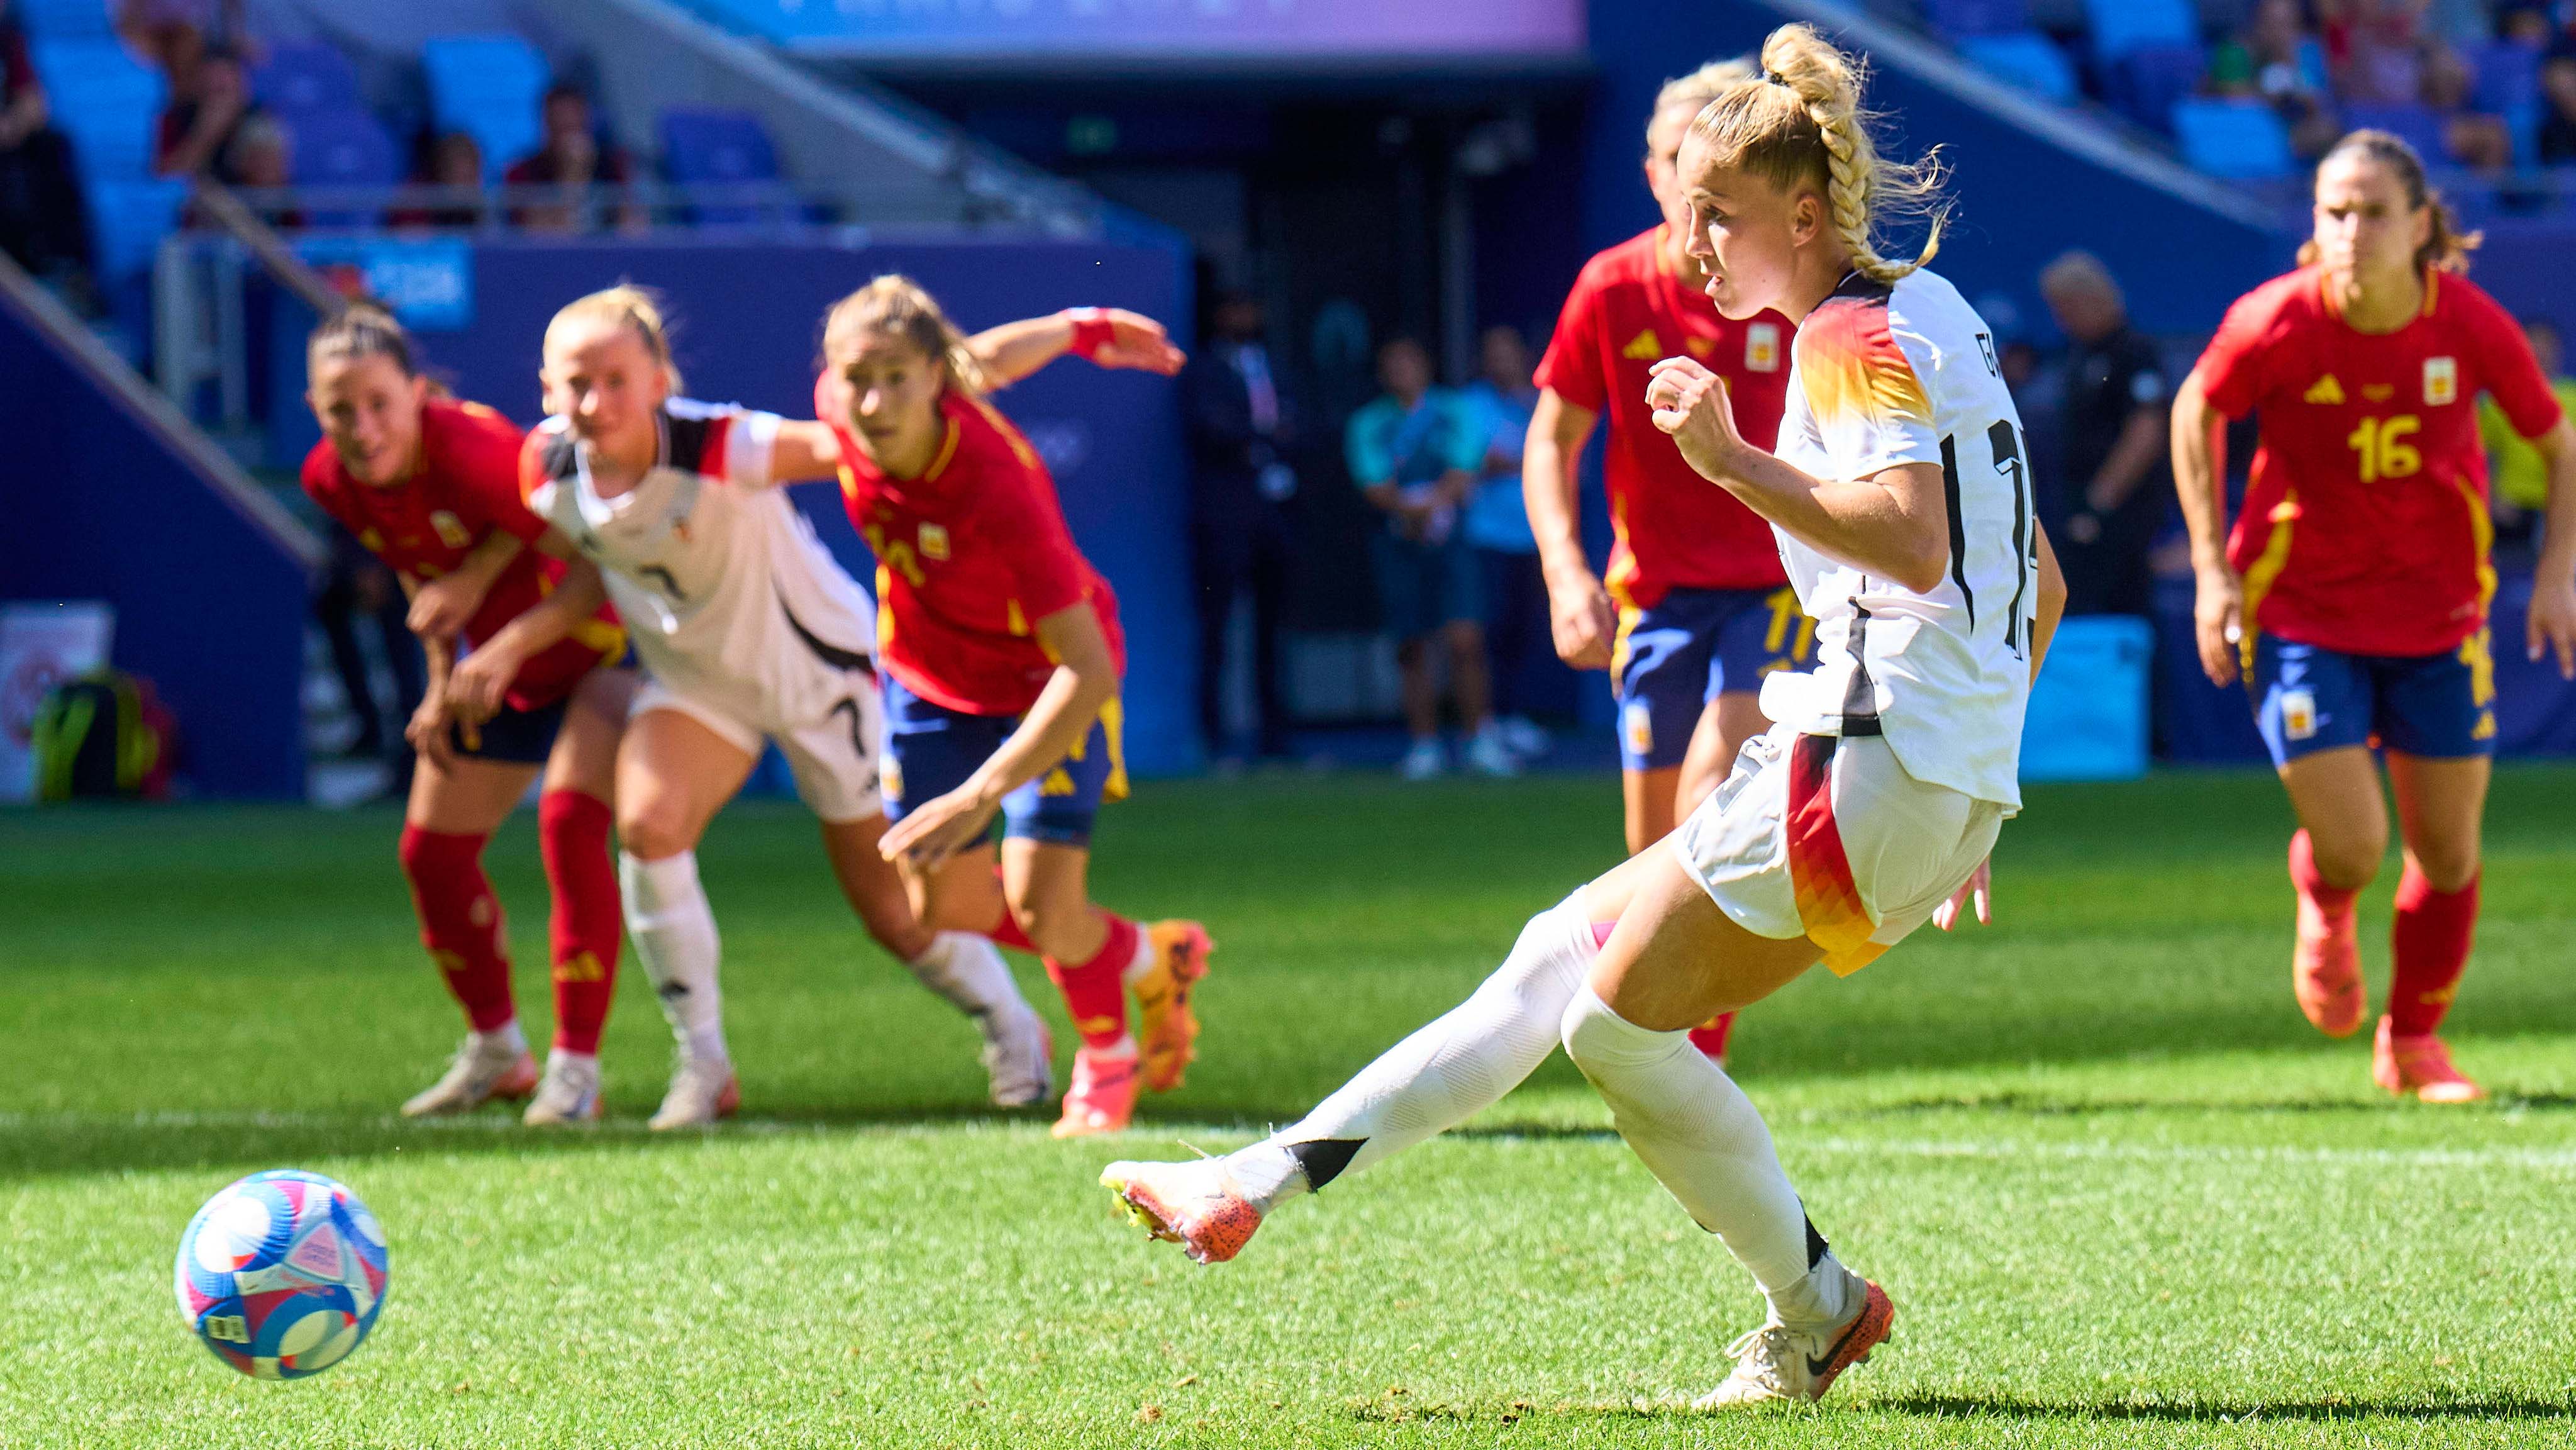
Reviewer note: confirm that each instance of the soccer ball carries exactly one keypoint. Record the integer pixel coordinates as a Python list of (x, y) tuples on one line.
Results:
[(282, 1274)]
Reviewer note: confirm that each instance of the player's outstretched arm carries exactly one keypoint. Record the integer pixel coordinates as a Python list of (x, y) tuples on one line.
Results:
[(1110, 337), (2052, 599), (2552, 622), (1084, 680), (2200, 478)]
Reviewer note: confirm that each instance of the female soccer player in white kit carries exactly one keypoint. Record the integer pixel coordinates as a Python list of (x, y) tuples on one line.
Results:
[(1902, 502)]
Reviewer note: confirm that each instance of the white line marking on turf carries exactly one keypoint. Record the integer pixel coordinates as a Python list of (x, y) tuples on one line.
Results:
[(2189, 1153)]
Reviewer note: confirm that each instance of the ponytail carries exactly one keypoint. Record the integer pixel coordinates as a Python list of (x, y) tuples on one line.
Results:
[(1801, 123), (898, 307)]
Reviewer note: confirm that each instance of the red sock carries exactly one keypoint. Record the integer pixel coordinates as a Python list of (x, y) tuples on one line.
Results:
[(460, 921), (1008, 934), (585, 927), (1095, 993), (1710, 1037), (2332, 900), (2431, 941)]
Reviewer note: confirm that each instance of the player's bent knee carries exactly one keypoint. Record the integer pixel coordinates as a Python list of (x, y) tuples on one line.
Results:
[(1598, 1038), (2447, 871), (653, 832)]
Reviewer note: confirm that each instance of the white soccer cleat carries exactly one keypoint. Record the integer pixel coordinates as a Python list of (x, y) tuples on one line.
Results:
[(568, 1094), (1490, 754), (702, 1090), (1425, 761), (488, 1066), (1776, 1362), (1019, 1055)]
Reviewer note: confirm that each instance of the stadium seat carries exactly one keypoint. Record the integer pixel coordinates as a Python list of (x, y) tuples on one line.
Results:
[(718, 147), (306, 78), (2145, 82), (2029, 60), (490, 87), (2121, 26), (2508, 85), (2419, 126), (343, 146), (128, 219), (66, 19), (1960, 19), (104, 102), (2241, 140)]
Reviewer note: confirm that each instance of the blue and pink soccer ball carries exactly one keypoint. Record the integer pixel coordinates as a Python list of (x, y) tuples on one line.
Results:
[(282, 1274)]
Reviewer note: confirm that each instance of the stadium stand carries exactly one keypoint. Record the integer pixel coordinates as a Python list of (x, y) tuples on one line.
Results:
[(2239, 140), (490, 87)]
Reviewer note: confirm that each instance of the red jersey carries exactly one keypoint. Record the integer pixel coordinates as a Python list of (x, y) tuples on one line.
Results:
[(2365, 523), (969, 556), (466, 486), (1673, 529)]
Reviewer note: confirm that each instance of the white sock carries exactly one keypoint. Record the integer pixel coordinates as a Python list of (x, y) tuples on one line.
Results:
[(674, 932), (584, 1059), (506, 1036), (968, 970), (1707, 1145), (1438, 1077)]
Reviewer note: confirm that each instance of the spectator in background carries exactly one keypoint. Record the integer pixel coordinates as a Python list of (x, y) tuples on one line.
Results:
[(206, 106), (153, 28), (570, 156), (1498, 528), (2558, 111), (356, 585), (2375, 49), (44, 224), (2114, 441), (1241, 427), (2478, 142), (1414, 453), (456, 166), (2517, 475), (261, 157), (2277, 58)]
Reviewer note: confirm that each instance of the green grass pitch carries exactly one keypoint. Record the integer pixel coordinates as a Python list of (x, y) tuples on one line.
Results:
[(2122, 1195)]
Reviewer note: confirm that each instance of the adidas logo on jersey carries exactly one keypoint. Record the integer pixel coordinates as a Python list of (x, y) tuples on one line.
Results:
[(2326, 391), (1644, 347)]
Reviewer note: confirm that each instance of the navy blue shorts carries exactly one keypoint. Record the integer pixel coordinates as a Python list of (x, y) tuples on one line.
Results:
[(513, 737), (1421, 587), (2307, 699), (1691, 647), (931, 750)]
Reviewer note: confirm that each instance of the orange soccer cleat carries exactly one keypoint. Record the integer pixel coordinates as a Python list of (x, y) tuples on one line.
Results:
[(1195, 1205), (2325, 969), (1774, 1362), (1169, 1029), (1103, 1095), (2419, 1065)]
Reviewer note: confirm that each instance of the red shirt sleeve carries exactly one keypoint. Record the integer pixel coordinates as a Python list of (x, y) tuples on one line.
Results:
[(2235, 367), (487, 457), (2506, 367), (1572, 367)]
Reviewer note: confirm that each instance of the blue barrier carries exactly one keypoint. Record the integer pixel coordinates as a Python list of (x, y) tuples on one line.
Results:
[(748, 328), (2088, 709), (107, 499)]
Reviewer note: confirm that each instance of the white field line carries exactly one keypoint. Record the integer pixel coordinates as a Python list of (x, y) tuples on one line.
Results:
[(1990, 1148), (2543, 1159)]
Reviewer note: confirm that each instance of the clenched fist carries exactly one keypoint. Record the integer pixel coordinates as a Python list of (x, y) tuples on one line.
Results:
[(1691, 404)]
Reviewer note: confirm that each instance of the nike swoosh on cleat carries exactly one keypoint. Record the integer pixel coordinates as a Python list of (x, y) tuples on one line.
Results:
[(1816, 1367)]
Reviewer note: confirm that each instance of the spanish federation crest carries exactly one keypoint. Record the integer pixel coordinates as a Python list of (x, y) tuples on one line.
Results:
[(2441, 381)]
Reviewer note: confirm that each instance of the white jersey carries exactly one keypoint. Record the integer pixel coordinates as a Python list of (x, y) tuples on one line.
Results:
[(1882, 376), (730, 599)]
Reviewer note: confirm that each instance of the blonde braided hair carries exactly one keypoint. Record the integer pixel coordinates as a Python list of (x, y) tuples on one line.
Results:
[(1801, 123)]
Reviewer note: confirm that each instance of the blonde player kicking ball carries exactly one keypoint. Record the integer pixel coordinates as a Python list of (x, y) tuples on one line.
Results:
[(1903, 509)]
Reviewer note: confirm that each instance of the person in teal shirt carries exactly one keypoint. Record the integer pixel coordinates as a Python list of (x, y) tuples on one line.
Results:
[(1414, 453), (1498, 529)]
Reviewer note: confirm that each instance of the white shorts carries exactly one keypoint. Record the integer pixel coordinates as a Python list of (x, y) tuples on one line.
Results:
[(1831, 840), (834, 758)]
